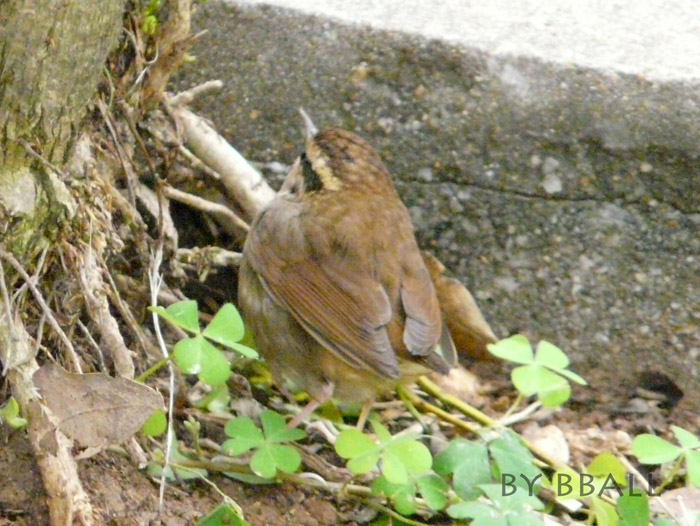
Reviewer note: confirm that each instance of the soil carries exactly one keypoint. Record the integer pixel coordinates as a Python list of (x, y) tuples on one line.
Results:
[(124, 496)]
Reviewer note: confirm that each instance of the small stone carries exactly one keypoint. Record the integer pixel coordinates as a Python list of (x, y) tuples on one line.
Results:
[(645, 167), (550, 165), (552, 184), (425, 174)]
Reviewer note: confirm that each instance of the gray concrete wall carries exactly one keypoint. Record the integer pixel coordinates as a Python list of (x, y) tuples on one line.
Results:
[(548, 153)]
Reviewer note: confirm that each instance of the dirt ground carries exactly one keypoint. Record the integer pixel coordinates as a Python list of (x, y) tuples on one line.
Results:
[(124, 496)]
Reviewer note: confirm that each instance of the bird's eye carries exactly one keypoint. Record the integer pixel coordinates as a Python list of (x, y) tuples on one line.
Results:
[(312, 182)]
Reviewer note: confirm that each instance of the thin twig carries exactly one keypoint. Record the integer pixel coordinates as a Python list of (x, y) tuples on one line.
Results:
[(40, 158), (206, 206), (71, 355), (128, 173), (8, 313), (35, 277), (155, 280), (93, 343), (197, 164), (126, 111), (215, 256), (187, 96)]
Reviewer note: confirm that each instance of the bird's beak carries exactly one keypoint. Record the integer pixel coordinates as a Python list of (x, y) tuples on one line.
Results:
[(310, 129)]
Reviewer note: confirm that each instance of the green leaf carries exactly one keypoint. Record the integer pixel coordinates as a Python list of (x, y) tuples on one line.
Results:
[(263, 462), (515, 349), (275, 428), (198, 356), (244, 434), (183, 473), (226, 327), (393, 469), (633, 510), (382, 432), (551, 356), (606, 464), (692, 465), (572, 376), (605, 513), (468, 463), (458, 451), (245, 350), (156, 424), (225, 514), (686, 439), (478, 511), (414, 456), (403, 496), (405, 500), (287, 459), (512, 457), (552, 389), (434, 490), (182, 314), (650, 449), (352, 443), (10, 413), (556, 393), (471, 473), (365, 463), (187, 355), (526, 379), (217, 400)]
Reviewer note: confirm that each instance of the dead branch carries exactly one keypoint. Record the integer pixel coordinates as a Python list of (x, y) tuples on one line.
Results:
[(89, 275), (225, 215), (124, 309), (173, 41), (214, 256), (187, 97), (242, 182), (159, 210)]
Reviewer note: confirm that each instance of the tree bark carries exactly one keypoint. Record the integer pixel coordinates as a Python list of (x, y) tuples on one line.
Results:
[(52, 54)]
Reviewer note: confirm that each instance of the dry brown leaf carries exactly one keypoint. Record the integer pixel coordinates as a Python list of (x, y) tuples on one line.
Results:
[(549, 438), (95, 409)]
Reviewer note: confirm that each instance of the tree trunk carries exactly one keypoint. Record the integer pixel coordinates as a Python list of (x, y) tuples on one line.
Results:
[(52, 54)]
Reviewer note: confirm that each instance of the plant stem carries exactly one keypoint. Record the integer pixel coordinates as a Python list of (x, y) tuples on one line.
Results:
[(151, 370)]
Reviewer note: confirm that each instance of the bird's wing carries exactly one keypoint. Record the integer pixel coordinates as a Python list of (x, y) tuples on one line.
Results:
[(345, 310), (423, 326)]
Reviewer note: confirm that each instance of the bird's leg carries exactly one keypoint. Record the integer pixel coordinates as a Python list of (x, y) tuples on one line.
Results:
[(309, 408), (364, 413)]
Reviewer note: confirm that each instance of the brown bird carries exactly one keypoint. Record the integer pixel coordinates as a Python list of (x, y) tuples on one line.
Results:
[(332, 284)]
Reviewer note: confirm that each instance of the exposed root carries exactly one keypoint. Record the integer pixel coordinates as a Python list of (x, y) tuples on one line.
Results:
[(242, 183), (225, 214), (70, 354), (89, 276)]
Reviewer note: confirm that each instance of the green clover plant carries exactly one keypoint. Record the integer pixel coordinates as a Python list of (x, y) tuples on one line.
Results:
[(197, 355), (651, 449), (543, 373), (9, 413), (271, 453)]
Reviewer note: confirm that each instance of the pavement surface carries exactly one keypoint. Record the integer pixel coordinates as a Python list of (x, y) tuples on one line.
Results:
[(547, 151)]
